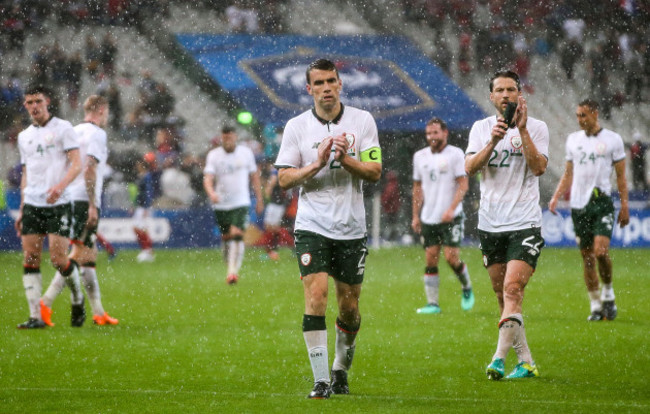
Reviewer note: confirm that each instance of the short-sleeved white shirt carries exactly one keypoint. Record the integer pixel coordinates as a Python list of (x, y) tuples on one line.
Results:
[(92, 143), (437, 172), (331, 202), (232, 172), (593, 158), (43, 153), (509, 190)]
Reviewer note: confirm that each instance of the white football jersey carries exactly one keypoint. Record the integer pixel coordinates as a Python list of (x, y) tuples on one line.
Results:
[(509, 190), (92, 143), (438, 173), (232, 172), (331, 202), (43, 153), (593, 158)]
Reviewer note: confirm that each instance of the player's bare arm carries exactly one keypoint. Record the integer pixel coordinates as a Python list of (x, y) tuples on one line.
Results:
[(292, 177), (418, 200), (621, 182), (562, 186), (534, 159), (208, 186), (74, 168), (462, 185), (18, 224), (256, 181), (90, 179), (477, 161), (369, 171)]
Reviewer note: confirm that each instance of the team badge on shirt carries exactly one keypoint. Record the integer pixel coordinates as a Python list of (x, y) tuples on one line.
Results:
[(305, 259), (443, 166), (350, 138), (516, 145), (601, 148)]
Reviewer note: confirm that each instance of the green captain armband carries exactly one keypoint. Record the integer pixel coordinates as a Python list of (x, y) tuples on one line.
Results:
[(371, 155)]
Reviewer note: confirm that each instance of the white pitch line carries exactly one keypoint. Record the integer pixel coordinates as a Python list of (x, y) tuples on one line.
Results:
[(620, 404)]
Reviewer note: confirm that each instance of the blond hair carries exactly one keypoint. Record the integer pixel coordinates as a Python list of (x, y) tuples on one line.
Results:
[(93, 103)]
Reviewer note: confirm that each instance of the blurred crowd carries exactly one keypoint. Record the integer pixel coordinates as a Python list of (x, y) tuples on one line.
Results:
[(491, 34), (495, 34)]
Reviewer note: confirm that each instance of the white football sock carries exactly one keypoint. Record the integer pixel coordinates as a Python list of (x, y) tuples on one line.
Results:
[(316, 342), (232, 257), (507, 332), (594, 298), (345, 345), (32, 283), (54, 290), (431, 287), (463, 277), (72, 280), (521, 345), (91, 284), (241, 248), (607, 293)]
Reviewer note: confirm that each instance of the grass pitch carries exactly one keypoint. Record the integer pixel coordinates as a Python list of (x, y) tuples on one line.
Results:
[(187, 342)]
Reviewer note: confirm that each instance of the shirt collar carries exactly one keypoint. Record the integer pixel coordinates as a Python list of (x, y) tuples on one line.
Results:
[(323, 121)]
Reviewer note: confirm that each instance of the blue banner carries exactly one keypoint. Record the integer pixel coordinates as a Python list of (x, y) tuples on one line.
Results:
[(385, 75), (557, 230)]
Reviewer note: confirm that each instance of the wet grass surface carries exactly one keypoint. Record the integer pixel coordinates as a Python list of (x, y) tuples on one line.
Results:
[(187, 342)]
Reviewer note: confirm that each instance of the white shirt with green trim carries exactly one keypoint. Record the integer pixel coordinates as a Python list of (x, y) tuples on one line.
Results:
[(232, 172), (593, 158), (437, 172), (509, 190), (92, 143), (43, 152), (331, 202)]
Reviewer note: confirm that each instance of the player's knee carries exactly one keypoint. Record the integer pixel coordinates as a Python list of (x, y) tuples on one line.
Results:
[(513, 290)]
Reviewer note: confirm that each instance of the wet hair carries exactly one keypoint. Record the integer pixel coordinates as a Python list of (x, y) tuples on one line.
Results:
[(505, 74), (93, 103), (227, 129), (321, 64), (436, 120), (35, 89), (589, 103)]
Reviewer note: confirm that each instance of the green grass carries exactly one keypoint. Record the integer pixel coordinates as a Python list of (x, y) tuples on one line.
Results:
[(187, 342)]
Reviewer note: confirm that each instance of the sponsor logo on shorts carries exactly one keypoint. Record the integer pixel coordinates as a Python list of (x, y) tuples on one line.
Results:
[(305, 259)]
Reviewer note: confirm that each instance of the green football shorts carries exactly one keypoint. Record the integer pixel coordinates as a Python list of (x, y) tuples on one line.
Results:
[(595, 219), (47, 220), (446, 234), (344, 260), (79, 231), (525, 245), (237, 217)]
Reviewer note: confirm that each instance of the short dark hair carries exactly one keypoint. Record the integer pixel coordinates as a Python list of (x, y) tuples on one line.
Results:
[(436, 120), (36, 88), (227, 129), (589, 103), (505, 74), (321, 64)]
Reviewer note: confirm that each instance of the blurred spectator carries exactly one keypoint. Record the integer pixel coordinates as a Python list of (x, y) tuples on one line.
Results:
[(107, 53), (74, 70), (242, 17), (167, 148), (442, 56), (93, 56), (390, 207), (638, 160), (634, 74), (570, 53)]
